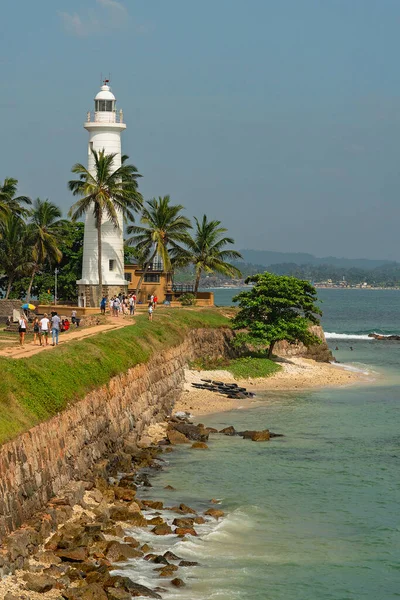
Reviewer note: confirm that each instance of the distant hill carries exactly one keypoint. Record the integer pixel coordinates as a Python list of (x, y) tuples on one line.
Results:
[(267, 258)]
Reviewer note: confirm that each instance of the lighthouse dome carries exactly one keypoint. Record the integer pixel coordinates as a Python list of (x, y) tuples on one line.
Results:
[(105, 93)]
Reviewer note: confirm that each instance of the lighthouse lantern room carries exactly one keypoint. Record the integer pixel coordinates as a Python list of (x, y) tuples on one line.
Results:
[(105, 126)]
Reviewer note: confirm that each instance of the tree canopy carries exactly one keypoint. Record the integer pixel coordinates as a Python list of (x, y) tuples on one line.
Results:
[(276, 308)]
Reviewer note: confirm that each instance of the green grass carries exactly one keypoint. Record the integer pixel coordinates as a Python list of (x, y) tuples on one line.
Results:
[(241, 368), (36, 388)]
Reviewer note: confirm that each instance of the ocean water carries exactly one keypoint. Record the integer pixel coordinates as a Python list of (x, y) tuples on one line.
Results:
[(313, 515)]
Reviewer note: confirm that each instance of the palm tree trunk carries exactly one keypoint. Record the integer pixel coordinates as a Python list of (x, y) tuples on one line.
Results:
[(28, 293), (9, 286), (197, 283), (99, 257), (145, 269)]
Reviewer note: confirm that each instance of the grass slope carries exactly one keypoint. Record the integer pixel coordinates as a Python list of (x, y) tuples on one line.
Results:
[(241, 368), (36, 388)]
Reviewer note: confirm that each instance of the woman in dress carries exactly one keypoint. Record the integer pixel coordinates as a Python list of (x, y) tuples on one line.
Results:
[(36, 332)]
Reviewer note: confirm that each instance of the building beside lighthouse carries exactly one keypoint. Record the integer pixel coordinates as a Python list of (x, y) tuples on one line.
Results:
[(105, 126)]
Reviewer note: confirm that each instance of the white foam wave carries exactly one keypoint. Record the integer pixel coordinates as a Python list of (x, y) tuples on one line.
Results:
[(347, 336)]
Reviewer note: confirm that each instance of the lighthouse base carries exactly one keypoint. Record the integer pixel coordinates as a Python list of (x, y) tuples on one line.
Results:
[(88, 294)]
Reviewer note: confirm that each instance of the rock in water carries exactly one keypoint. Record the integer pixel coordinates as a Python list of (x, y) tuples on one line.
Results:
[(260, 436), (176, 437), (214, 512), (199, 446), (228, 430), (177, 582)]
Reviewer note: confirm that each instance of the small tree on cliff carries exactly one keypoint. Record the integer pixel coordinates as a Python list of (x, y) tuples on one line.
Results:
[(276, 308)]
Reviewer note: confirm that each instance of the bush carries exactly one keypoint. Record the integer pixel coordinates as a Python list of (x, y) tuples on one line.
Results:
[(45, 298), (188, 299)]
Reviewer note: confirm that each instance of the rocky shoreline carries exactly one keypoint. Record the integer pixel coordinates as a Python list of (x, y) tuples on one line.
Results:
[(72, 549)]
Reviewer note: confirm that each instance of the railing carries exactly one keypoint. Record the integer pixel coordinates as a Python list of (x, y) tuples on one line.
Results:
[(156, 266), (105, 117), (183, 287)]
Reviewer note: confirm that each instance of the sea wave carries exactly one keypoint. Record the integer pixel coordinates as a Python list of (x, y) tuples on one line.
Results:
[(347, 336)]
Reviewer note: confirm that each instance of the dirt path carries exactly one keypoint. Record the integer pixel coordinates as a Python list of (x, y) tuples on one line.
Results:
[(29, 349)]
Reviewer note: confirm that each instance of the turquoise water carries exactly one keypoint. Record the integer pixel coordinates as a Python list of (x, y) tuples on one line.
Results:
[(314, 515)]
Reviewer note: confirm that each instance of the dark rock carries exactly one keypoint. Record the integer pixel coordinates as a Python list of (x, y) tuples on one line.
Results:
[(135, 589), (191, 432), (228, 430), (186, 509), (188, 563), (117, 552), (161, 560), (187, 522), (125, 494), (182, 531), (171, 556), (162, 529), (211, 430), (178, 582), (199, 446), (75, 555), (176, 437), (167, 571), (214, 512), (118, 594), (38, 583), (153, 504)]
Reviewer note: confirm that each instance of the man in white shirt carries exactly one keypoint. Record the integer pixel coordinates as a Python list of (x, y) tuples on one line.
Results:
[(44, 327)]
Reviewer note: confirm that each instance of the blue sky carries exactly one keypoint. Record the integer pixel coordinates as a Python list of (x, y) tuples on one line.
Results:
[(280, 118)]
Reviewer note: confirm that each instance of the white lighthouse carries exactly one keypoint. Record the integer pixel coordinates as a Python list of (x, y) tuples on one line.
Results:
[(105, 126)]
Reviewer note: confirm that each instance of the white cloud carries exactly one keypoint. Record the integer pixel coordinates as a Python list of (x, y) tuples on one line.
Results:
[(105, 15)]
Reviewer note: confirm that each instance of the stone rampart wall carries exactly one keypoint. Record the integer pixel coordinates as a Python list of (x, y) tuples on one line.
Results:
[(39, 463)]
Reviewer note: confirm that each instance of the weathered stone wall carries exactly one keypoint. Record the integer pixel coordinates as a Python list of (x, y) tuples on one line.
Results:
[(39, 463)]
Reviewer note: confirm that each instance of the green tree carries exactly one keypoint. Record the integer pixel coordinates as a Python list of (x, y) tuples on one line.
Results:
[(107, 193), (164, 229), (276, 308), (9, 202), (45, 229), (206, 250), (15, 255)]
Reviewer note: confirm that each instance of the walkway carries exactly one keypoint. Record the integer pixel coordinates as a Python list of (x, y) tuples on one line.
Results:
[(29, 349)]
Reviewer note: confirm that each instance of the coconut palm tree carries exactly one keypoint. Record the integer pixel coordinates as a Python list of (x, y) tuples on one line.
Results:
[(164, 229), (9, 202), (45, 230), (108, 193), (205, 250), (15, 255)]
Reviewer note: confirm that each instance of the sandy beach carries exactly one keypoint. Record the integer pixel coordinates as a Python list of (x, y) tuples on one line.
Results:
[(297, 374)]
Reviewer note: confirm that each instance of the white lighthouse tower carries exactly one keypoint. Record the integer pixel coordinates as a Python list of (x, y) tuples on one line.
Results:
[(105, 126)]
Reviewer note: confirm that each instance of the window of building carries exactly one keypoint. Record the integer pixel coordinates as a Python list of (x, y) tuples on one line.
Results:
[(111, 264), (152, 278), (104, 105), (128, 277)]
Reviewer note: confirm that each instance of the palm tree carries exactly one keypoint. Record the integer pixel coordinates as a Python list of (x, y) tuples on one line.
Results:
[(15, 256), (206, 253), (9, 202), (45, 230), (164, 230), (107, 193)]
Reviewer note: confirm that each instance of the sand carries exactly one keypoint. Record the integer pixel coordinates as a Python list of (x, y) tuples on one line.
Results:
[(297, 374)]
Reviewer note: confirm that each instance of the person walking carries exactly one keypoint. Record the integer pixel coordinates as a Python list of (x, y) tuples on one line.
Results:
[(103, 305), (36, 332), (22, 327), (155, 300), (55, 328), (150, 310), (44, 328)]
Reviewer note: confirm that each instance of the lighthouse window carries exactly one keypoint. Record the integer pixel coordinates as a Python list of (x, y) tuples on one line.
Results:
[(104, 105), (111, 264)]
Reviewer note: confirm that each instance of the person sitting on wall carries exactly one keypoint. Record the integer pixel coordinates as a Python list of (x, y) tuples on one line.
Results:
[(66, 324)]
